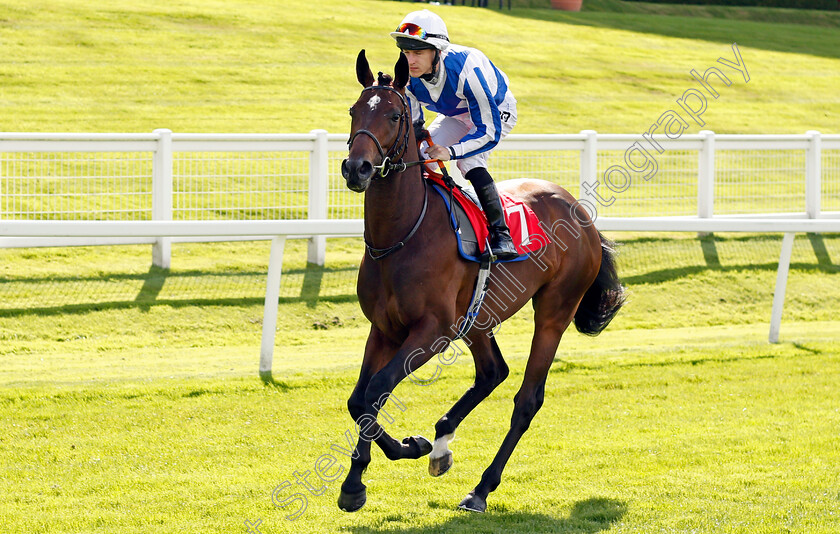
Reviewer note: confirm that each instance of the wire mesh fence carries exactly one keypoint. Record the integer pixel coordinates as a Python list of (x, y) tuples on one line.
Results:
[(759, 181), (240, 185), (275, 184), (831, 180), (76, 185), (561, 167), (341, 202), (670, 191)]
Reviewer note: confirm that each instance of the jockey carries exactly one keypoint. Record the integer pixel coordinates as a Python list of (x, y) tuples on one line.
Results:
[(475, 109)]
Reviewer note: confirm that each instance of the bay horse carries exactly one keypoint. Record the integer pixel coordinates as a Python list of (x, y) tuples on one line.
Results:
[(413, 287)]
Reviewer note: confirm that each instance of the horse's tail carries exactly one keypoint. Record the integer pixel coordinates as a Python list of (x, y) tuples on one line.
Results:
[(604, 297)]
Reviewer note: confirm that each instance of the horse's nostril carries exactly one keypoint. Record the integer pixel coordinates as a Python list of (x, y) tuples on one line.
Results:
[(356, 169), (365, 169), (357, 172)]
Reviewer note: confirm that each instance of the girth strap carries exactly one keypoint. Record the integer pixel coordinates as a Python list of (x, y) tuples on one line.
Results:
[(482, 284)]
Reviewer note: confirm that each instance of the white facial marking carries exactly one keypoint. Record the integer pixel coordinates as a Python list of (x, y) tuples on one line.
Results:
[(373, 102)]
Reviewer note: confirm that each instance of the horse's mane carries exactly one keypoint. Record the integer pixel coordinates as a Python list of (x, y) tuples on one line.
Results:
[(384, 79)]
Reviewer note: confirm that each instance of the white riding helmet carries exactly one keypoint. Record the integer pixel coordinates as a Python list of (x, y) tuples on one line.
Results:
[(421, 29)]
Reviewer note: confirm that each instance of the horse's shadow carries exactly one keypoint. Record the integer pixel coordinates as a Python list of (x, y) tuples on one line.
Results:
[(586, 517)]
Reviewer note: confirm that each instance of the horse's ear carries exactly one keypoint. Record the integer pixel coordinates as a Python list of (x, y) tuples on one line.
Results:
[(401, 72), (363, 73)]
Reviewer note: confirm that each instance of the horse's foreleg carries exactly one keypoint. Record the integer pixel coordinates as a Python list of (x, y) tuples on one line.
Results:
[(490, 371), (527, 402), (378, 351), (376, 382), (414, 352)]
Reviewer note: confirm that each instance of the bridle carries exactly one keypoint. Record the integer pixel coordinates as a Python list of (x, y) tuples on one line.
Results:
[(396, 152)]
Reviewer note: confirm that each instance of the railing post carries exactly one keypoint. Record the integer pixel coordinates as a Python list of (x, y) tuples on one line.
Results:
[(318, 185), (706, 178), (162, 196), (781, 285), (272, 295), (813, 174), (588, 165)]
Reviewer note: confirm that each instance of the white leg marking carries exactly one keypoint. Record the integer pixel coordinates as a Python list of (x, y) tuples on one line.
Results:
[(441, 446)]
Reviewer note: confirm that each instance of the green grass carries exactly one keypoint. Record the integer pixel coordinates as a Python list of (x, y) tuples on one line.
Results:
[(284, 67), (132, 402), (130, 395), (749, 13), (47, 295), (734, 441)]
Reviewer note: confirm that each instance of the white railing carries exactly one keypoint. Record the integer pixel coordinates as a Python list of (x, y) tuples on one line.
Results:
[(701, 175), (169, 176), (118, 177), (90, 189)]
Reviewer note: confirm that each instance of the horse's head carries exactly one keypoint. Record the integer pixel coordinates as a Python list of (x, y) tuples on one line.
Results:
[(380, 127)]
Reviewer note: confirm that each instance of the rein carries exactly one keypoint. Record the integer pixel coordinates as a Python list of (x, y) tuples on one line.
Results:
[(397, 151), (377, 254)]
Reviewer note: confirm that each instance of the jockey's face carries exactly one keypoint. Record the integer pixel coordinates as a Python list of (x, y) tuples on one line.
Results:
[(419, 62)]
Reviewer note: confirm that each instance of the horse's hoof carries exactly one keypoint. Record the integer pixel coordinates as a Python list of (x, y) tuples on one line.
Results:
[(473, 503), (439, 466), (422, 446), (350, 502), (425, 445)]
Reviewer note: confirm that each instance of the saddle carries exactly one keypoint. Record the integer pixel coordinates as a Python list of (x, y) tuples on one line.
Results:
[(470, 225)]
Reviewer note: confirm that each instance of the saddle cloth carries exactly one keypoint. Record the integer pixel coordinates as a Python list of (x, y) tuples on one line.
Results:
[(470, 224)]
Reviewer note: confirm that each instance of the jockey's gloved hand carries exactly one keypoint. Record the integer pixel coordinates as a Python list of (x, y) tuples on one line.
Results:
[(419, 130)]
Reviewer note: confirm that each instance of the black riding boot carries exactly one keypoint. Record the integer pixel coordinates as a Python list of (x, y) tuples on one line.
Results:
[(501, 244)]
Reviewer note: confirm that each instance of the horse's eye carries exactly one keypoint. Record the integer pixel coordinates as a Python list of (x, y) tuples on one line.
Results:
[(395, 117), (350, 111)]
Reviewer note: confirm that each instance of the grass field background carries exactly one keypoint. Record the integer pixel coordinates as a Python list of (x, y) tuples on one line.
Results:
[(130, 395), (215, 66), (133, 404)]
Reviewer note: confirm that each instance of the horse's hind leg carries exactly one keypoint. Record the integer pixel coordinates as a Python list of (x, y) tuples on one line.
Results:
[(490, 371), (550, 325)]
